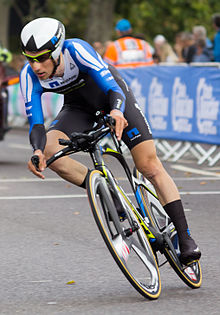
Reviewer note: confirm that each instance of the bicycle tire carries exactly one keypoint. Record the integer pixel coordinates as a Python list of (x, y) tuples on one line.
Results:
[(126, 251), (191, 275)]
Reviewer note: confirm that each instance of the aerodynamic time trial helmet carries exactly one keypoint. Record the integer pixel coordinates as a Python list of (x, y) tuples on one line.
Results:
[(43, 33)]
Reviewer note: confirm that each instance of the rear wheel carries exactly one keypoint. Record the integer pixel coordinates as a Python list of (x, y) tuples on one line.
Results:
[(131, 250), (192, 274)]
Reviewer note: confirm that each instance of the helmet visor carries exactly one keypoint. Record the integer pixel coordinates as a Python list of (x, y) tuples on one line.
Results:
[(38, 58)]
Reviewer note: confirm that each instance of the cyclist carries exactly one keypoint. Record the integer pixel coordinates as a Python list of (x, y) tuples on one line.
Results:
[(73, 68)]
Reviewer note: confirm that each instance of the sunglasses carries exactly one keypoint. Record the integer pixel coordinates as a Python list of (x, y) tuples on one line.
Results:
[(38, 58)]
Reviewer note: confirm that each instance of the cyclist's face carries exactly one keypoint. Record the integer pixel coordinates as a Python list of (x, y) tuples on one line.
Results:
[(43, 65)]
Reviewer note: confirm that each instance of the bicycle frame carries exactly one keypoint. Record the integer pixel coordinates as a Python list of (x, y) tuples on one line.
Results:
[(141, 215), (96, 152)]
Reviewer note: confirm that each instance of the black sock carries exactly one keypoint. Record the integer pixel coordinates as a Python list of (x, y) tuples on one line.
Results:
[(176, 213), (83, 185)]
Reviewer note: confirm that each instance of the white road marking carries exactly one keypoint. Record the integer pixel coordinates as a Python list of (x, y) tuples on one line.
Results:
[(194, 170), (42, 197), (200, 192), (28, 147), (85, 196), (58, 179), (40, 281), (195, 178), (19, 146), (30, 180)]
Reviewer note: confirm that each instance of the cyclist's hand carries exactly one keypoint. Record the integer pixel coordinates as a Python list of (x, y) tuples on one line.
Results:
[(120, 122), (41, 166)]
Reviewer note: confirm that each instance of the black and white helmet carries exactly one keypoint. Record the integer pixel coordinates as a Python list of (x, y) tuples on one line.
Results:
[(43, 33)]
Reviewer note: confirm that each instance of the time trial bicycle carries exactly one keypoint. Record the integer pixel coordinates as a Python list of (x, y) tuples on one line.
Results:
[(134, 232)]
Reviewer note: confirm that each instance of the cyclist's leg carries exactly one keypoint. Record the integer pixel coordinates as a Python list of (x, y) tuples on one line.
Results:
[(69, 119), (138, 138), (147, 162), (67, 168)]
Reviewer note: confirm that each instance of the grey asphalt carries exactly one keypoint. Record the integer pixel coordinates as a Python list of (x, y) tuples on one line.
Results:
[(54, 261)]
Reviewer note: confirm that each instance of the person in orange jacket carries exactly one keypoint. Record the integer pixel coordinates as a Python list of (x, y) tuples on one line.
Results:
[(128, 50)]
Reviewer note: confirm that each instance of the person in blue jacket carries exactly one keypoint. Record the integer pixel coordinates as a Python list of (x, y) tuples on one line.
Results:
[(73, 68), (216, 24)]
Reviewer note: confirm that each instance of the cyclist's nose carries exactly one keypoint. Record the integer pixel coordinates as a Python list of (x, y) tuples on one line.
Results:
[(35, 65)]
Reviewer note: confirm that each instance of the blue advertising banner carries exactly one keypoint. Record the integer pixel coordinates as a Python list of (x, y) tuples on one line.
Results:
[(179, 102)]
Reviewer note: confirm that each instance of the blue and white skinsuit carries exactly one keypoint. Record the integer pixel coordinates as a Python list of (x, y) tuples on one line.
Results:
[(88, 85)]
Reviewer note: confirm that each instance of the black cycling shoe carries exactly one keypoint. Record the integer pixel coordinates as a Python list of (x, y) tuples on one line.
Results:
[(189, 251)]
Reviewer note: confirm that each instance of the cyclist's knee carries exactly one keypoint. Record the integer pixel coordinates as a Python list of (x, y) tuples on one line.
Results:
[(151, 168)]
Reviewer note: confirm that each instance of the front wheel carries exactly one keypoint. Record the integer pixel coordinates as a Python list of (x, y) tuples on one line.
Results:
[(130, 249)]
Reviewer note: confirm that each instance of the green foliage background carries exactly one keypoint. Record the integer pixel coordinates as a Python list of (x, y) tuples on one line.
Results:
[(168, 17), (148, 17)]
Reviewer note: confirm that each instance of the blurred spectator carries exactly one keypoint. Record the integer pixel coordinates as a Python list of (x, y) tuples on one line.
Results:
[(163, 50), (201, 53), (216, 24), (201, 49), (199, 32), (158, 41), (128, 50), (178, 46), (142, 36), (183, 41), (187, 41), (167, 53)]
